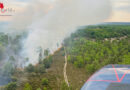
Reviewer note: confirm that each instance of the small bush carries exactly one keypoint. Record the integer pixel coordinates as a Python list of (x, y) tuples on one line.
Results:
[(47, 62), (30, 68), (90, 68), (27, 86), (39, 89), (11, 86), (44, 88), (44, 81)]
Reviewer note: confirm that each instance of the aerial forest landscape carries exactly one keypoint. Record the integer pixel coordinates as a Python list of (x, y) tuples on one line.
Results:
[(65, 45)]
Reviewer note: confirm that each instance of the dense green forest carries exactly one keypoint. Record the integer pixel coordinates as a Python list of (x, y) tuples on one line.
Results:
[(88, 49), (96, 46)]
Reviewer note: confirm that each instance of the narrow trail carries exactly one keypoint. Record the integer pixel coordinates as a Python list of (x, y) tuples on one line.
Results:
[(65, 66)]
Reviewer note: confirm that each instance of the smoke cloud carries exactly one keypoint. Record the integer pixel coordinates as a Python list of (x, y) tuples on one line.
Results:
[(49, 22)]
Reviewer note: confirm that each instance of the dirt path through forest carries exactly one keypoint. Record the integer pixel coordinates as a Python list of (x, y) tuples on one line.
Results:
[(65, 66)]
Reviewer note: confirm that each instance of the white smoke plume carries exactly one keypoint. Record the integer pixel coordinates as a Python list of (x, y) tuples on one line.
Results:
[(49, 22)]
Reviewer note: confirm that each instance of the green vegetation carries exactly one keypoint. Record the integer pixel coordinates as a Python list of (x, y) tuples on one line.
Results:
[(11, 86), (40, 89), (41, 67), (27, 86), (47, 62), (97, 46), (44, 81), (30, 68), (88, 49), (64, 86), (100, 32), (50, 79)]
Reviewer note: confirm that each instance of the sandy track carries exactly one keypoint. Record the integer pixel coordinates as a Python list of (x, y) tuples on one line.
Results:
[(65, 66)]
